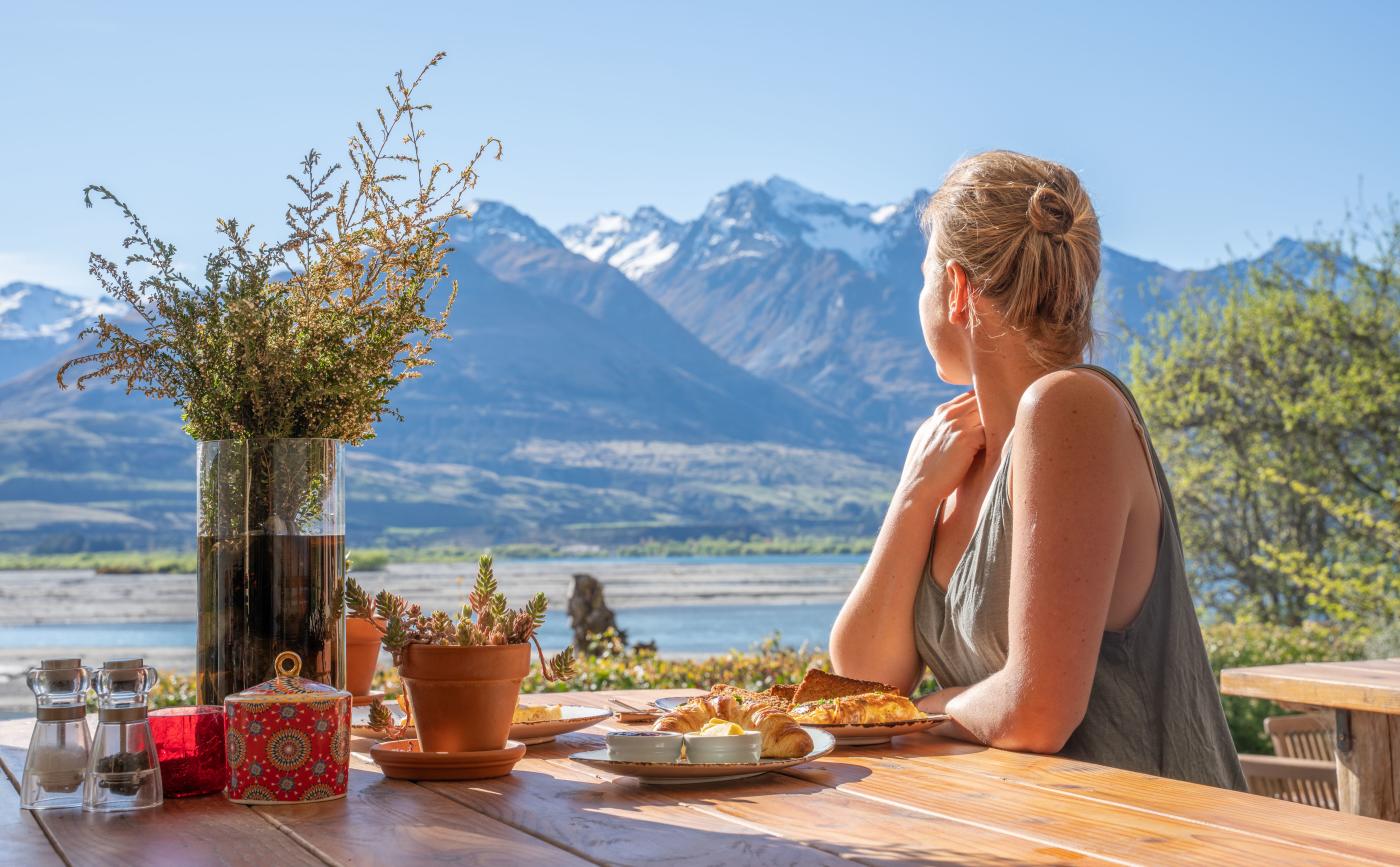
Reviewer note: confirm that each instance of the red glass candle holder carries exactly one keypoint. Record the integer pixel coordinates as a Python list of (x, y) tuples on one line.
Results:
[(190, 748)]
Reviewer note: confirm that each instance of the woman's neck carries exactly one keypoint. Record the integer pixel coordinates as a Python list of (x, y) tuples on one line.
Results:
[(999, 380)]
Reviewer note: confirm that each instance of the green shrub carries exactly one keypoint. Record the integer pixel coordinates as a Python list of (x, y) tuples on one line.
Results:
[(1230, 645), (368, 559), (616, 667)]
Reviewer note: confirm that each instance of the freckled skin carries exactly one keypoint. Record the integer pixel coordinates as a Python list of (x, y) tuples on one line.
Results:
[(1085, 517)]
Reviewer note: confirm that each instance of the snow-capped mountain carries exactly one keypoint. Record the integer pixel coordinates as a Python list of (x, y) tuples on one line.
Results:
[(793, 285), (635, 245), (748, 220), (596, 375), (28, 310), (491, 219), (37, 323)]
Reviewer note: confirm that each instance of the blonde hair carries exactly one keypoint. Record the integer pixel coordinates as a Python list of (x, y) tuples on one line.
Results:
[(1026, 233)]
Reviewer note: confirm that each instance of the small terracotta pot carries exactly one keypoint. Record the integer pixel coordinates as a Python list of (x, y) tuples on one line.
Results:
[(463, 698), (361, 653)]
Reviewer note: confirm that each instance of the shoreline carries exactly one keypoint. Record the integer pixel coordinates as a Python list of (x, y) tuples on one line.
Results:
[(70, 599)]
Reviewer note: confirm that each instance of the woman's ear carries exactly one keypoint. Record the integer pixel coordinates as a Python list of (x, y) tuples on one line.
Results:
[(959, 295)]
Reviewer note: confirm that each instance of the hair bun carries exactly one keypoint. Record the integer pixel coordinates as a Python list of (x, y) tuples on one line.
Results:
[(1049, 212)]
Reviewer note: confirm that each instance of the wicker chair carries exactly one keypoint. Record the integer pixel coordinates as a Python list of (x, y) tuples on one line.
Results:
[(1304, 770)]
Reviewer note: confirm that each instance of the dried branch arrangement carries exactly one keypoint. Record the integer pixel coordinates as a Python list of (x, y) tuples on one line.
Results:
[(306, 337)]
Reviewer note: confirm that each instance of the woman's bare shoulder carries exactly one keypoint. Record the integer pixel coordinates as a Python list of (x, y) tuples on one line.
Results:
[(1075, 405)]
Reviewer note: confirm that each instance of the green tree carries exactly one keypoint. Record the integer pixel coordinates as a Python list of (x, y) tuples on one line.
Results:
[(1275, 404)]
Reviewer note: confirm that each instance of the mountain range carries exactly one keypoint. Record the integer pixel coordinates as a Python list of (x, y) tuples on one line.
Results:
[(754, 370)]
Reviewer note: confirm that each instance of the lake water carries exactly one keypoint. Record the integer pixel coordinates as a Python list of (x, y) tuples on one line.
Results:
[(688, 629), (689, 606)]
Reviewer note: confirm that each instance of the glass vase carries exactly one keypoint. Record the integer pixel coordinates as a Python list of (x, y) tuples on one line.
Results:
[(271, 561)]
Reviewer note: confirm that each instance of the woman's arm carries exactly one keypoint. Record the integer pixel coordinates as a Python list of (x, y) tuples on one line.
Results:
[(1070, 499), (873, 637)]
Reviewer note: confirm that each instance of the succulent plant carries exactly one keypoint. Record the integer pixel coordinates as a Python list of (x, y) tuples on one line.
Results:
[(483, 621)]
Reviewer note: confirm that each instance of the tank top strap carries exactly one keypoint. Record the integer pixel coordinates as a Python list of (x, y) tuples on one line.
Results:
[(1139, 423), (1121, 386)]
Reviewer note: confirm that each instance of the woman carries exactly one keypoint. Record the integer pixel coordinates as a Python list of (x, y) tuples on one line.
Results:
[(1038, 576)]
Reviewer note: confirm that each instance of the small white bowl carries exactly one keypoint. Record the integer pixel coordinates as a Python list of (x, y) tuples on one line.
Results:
[(644, 746), (723, 749)]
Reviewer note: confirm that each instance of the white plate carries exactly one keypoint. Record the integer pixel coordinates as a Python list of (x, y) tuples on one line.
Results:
[(856, 735), (672, 702), (543, 731), (685, 773), (869, 734)]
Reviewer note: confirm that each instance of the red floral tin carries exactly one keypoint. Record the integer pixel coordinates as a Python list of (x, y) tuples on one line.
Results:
[(288, 739)]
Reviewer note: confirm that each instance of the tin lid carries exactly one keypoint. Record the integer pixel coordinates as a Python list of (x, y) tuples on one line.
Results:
[(126, 662), (287, 686), (60, 664)]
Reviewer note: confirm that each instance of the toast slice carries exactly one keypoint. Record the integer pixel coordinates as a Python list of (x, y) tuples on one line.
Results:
[(783, 691), (819, 684)]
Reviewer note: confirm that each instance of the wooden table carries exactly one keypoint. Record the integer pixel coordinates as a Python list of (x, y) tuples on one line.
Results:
[(921, 799), (1365, 696)]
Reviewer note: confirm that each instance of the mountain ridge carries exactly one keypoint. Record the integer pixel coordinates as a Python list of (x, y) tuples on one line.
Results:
[(755, 370)]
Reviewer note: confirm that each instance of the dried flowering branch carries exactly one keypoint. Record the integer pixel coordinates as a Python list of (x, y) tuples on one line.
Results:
[(306, 337), (484, 620)]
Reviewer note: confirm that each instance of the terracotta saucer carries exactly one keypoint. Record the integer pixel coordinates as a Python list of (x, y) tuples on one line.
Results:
[(402, 760), (363, 700)]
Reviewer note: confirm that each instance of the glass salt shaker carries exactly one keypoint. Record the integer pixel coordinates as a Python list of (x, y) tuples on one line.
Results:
[(58, 749), (122, 773)]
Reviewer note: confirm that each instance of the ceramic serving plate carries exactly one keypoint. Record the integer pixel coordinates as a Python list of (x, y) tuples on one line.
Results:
[(858, 735), (686, 773), (670, 703), (869, 734), (543, 731)]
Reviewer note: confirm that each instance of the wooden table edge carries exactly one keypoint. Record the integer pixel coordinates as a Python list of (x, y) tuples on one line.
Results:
[(1265, 685)]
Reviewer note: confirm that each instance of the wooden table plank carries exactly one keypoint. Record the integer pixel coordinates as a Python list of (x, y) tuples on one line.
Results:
[(184, 831), (1175, 837), (621, 825), (830, 820), (393, 820), (1105, 830), (1370, 685), (24, 840), (181, 833), (1324, 830), (921, 799)]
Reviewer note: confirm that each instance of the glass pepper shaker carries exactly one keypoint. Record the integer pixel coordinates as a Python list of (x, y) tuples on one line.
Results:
[(58, 749), (122, 773)]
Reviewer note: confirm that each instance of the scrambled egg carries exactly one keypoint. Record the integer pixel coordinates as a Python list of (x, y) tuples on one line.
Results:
[(535, 713)]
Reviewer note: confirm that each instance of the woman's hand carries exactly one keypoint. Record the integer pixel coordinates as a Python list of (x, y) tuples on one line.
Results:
[(943, 449)]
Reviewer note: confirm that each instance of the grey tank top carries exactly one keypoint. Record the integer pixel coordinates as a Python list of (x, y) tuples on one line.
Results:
[(1154, 706)]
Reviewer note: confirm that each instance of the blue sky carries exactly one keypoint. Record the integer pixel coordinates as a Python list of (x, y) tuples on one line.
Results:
[(1200, 128)]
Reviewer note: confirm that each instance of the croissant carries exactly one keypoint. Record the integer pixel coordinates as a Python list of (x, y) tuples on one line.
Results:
[(783, 738)]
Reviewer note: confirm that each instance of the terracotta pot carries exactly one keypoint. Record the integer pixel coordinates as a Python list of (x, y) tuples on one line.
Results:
[(463, 698), (361, 653)]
